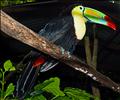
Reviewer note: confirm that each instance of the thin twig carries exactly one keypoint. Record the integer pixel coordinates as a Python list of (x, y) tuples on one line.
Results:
[(95, 90)]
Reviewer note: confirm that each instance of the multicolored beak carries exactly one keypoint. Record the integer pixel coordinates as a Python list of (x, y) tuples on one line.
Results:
[(98, 17)]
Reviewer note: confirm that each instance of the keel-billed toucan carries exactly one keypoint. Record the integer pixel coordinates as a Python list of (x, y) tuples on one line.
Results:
[(65, 32)]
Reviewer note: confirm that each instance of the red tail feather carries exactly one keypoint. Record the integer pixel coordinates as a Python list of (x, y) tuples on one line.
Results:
[(39, 61)]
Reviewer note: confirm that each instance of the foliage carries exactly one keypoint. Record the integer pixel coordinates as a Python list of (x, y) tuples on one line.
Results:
[(78, 94), (4, 94), (52, 86), (11, 2)]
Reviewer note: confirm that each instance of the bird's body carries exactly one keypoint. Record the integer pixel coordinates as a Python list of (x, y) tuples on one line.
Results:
[(63, 31), (59, 31)]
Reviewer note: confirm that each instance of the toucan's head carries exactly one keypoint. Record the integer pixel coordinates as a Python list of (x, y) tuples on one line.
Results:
[(87, 14), (94, 16)]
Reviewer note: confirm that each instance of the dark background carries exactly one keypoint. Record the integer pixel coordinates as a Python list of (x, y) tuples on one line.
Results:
[(35, 15)]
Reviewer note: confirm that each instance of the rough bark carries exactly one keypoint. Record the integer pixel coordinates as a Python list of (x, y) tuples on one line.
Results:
[(18, 31)]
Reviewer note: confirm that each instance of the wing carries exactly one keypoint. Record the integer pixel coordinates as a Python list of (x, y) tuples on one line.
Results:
[(61, 32)]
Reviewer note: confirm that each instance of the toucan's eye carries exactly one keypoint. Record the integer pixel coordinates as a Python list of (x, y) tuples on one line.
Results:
[(81, 8)]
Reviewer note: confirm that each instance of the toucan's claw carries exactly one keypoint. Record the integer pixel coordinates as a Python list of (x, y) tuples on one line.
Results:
[(62, 50)]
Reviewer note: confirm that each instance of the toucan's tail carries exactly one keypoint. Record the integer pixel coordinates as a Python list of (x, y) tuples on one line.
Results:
[(30, 73)]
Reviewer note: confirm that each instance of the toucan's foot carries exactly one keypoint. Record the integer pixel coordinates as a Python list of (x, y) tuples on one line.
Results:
[(62, 50), (69, 55)]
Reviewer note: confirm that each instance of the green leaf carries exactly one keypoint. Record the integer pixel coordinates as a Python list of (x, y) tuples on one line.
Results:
[(28, 99), (12, 68), (0, 75), (8, 66), (9, 90), (0, 91), (51, 86), (38, 97), (77, 94), (62, 98), (96, 98), (36, 92)]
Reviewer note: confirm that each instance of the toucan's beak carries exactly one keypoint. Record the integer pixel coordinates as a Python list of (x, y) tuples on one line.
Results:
[(96, 16)]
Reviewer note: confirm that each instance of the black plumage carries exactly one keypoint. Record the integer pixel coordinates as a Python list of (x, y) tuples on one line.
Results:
[(59, 31)]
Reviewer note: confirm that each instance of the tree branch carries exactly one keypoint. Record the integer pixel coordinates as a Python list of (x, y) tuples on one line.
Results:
[(18, 31)]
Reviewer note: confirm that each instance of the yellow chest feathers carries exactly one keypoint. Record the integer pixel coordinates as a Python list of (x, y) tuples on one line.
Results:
[(80, 27)]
